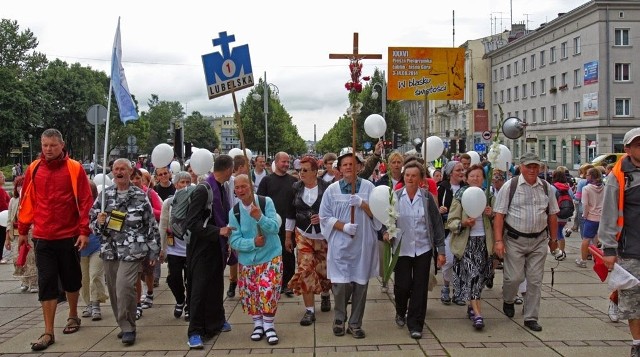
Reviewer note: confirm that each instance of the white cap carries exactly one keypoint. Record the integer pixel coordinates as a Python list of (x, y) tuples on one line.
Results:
[(630, 136)]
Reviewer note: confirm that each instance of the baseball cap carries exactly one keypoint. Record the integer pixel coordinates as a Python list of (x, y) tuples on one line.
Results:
[(530, 158), (630, 135)]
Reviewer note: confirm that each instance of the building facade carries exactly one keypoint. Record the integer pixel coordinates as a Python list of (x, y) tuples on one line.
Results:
[(225, 128), (571, 81)]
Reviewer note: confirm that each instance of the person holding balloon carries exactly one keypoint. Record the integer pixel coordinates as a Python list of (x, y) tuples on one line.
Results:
[(470, 223)]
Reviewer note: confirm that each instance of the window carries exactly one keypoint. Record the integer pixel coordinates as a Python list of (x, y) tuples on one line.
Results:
[(533, 89), (524, 65), (621, 37), (495, 75), (552, 150), (501, 73), (524, 90), (501, 96), (533, 115), (577, 45), (516, 95), (543, 150), (543, 114), (516, 114), (543, 86), (552, 81), (524, 115), (564, 50), (623, 107), (533, 62), (563, 79), (565, 111), (621, 72), (515, 68), (553, 113), (508, 94), (495, 120), (542, 58), (552, 54), (577, 78), (577, 110), (508, 71), (495, 97)]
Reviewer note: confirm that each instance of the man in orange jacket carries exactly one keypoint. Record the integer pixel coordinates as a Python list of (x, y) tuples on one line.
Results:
[(56, 199)]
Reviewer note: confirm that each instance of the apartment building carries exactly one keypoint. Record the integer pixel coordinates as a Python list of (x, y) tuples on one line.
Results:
[(571, 81)]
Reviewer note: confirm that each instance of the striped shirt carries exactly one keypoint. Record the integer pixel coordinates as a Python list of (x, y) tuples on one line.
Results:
[(527, 213)]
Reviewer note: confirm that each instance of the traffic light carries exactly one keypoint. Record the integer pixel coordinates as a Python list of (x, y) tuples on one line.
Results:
[(387, 144), (397, 140), (187, 149), (177, 143)]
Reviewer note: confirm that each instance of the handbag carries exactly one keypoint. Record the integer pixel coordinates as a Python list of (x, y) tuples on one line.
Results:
[(22, 254)]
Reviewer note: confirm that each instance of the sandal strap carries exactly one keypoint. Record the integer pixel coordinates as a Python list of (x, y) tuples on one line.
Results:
[(271, 333)]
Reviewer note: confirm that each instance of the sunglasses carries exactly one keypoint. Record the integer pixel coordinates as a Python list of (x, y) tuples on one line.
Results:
[(305, 170)]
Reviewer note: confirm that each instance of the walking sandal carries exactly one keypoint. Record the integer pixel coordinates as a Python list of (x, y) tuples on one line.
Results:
[(43, 342), (73, 325)]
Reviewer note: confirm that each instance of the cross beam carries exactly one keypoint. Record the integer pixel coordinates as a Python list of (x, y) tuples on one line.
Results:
[(355, 55)]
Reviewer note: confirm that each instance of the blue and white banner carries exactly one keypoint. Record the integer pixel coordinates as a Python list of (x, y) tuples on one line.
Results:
[(126, 106)]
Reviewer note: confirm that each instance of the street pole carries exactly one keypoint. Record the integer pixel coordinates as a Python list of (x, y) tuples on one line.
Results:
[(426, 123), (30, 149), (266, 114)]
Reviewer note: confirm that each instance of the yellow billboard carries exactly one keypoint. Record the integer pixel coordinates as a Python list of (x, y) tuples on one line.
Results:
[(416, 71)]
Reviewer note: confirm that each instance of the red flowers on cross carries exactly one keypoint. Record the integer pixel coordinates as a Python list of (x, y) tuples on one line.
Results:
[(355, 69)]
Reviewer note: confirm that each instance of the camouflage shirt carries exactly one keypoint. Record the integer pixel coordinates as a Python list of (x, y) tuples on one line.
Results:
[(138, 236)]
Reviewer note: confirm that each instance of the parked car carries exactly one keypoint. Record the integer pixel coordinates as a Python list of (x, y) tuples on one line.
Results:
[(606, 159), (98, 168)]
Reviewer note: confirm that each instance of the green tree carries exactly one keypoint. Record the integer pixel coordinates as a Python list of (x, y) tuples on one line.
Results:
[(283, 135), (200, 133)]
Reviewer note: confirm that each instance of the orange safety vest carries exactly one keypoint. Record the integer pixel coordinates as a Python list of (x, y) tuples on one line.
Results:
[(25, 212), (619, 175)]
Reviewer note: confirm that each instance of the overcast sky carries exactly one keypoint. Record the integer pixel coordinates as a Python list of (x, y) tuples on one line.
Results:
[(162, 42)]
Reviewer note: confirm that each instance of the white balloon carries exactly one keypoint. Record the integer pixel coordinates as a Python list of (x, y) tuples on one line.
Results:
[(475, 157), (201, 161), (375, 126), (379, 203), (4, 218), (175, 167), (434, 147), (235, 152), (97, 179), (273, 166), (473, 201), (503, 162), (249, 153), (100, 188), (162, 155)]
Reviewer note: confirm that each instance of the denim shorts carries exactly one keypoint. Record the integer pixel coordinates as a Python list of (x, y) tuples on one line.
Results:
[(589, 229)]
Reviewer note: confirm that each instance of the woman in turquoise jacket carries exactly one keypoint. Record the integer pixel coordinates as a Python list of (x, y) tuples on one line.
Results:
[(255, 237)]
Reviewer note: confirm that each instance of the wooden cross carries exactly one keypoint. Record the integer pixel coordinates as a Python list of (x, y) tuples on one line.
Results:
[(354, 57)]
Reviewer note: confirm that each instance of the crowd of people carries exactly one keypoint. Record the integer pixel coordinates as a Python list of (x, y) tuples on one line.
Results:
[(308, 230)]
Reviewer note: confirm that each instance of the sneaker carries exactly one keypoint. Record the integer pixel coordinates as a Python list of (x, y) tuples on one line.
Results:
[(560, 255), (287, 291), (308, 318), (444, 295), (87, 311), (400, 321), (226, 326), (138, 312), (232, 289), (458, 301), (96, 313), (195, 342), (567, 232), (613, 312), (33, 289), (508, 309), (338, 328), (24, 288), (581, 263), (478, 322), (177, 310), (186, 314), (147, 302), (325, 303), (416, 335), (356, 332)]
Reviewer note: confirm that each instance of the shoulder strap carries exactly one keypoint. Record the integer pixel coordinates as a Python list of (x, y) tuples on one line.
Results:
[(236, 212), (262, 202), (512, 190)]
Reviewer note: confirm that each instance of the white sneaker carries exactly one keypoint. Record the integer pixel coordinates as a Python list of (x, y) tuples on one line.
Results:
[(581, 263), (613, 311), (33, 289), (560, 255)]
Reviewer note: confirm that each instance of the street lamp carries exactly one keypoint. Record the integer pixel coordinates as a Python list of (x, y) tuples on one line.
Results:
[(267, 87), (30, 148)]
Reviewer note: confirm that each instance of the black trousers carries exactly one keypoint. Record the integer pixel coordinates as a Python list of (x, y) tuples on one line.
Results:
[(411, 287), (288, 264), (177, 276)]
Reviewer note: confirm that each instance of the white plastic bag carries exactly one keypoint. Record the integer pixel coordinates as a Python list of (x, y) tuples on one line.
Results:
[(621, 279)]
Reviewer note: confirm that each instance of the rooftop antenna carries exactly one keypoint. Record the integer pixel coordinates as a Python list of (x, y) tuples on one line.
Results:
[(511, 11), (454, 28), (527, 17)]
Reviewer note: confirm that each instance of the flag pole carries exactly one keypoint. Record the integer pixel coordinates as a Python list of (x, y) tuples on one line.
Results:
[(106, 127)]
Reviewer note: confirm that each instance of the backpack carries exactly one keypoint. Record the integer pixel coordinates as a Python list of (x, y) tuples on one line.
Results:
[(236, 208), (180, 206), (565, 203)]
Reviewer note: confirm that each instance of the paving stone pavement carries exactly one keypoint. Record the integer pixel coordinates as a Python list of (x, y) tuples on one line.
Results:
[(573, 315)]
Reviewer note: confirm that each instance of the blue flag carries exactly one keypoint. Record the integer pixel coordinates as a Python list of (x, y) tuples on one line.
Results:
[(126, 107)]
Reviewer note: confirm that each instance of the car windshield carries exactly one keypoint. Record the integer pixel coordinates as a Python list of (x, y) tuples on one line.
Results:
[(599, 158)]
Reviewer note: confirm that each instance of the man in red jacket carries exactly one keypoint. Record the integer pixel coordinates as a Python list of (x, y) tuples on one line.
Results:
[(56, 199)]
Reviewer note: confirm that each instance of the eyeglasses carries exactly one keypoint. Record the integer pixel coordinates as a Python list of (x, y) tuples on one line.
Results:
[(305, 170)]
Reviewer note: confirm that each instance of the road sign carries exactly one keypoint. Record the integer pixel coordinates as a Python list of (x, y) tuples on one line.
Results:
[(227, 71), (486, 135), (480, 147), (131, 140), (97, 113), (366, 145)]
